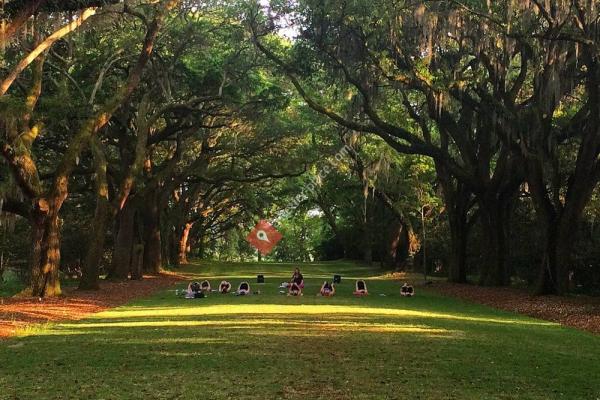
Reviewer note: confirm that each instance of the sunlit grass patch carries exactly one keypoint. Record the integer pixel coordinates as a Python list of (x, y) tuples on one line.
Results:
[(33, 329), (304, 309), (261, 326)]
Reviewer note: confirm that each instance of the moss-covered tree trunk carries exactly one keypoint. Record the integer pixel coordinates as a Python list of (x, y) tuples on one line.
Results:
[(102, 214), (45, 253)]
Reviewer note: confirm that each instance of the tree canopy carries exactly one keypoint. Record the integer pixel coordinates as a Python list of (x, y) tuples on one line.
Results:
[(458, 138)]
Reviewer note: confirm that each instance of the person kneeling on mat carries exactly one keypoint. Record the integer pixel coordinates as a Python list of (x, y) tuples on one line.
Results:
[(294, 289), (225, 287), (243, 289), (327, 289), (361, 288), (205, 286), (407, 290), (194, 290)]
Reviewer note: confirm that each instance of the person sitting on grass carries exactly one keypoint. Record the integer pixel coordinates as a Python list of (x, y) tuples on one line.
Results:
[(243, 289), (407, 290), (294, 289), (225, 287), (327, 289), (193, 291), (297, 278), (361, 288)]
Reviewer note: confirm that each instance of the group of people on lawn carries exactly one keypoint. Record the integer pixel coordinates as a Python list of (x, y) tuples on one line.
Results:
[(294, 287)]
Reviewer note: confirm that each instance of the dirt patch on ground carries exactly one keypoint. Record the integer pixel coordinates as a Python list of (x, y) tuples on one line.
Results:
[(582, 312), (18, 313)]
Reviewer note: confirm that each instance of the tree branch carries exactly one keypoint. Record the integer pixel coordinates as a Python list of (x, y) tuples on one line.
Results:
[(43, 46)]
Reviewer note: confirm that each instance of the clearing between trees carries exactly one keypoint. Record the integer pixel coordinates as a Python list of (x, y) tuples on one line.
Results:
[(269, 345)]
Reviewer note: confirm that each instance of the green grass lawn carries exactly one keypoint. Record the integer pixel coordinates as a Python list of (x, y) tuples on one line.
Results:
[(270, 346)]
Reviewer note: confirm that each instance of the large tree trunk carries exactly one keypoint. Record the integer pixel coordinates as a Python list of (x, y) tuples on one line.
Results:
[(152, 262), (97, 236), (124, 242), (397, 239), (402, 246), (137, 257), (45, 256), (559, 224), (96, 240), (559, 238), (494, 222), (548, 276), (182, 245), (456, 201), (172, 248), (459, 232), (560, 213), (137, 252)]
